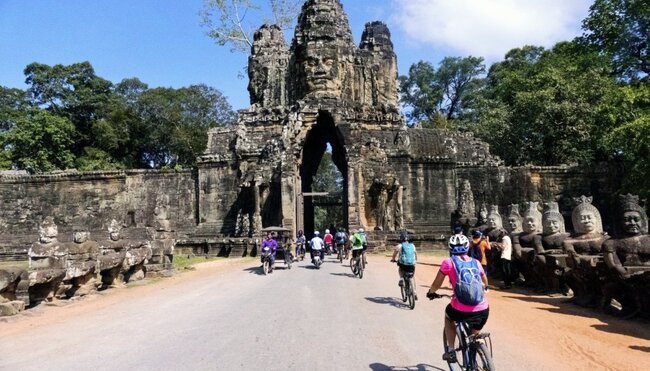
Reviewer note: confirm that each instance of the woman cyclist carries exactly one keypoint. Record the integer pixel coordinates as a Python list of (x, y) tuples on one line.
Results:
[(474, 315)]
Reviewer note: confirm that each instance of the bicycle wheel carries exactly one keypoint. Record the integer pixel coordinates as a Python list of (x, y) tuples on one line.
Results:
[(481, 357), (265, 267), (360, 267), (410, 292), (460, 347), (403, 289), (340, 252)]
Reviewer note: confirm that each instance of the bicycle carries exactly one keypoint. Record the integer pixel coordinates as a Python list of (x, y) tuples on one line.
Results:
[(341, 252), (475, 350), (408, 288), (357, 266)]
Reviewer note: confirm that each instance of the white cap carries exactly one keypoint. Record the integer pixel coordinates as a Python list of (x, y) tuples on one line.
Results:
[(316, 233), (360, 230)]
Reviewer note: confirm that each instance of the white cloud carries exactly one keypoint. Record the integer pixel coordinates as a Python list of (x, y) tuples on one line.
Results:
[(490, 28)]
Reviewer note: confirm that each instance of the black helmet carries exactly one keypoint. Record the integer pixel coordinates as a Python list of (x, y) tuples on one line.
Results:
[(404, 237)]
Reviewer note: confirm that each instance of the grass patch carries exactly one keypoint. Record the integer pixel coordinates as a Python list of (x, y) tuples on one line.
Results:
[(14, 264), (183, 262)]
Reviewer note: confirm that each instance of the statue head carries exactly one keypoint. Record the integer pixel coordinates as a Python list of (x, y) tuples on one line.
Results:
[(634, 219), (48, 230), (514, 219), (552, 220), (494, 218), (114, 229), (323, 48), (586, 218), (80, 236), (532, 222)]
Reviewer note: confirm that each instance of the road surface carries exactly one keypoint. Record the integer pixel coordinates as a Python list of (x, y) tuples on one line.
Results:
[(227, 316)]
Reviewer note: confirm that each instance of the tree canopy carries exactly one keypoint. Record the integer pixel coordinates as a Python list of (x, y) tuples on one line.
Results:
[(69, 117)]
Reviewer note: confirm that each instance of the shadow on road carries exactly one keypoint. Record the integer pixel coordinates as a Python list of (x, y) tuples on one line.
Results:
[(258, 270), (343, 274), (395, 302), (431, 264), (310, 266), (418, 367), (643, 349)]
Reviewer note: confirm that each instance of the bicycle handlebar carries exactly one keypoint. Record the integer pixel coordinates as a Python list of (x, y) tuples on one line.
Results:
[(433, 295)]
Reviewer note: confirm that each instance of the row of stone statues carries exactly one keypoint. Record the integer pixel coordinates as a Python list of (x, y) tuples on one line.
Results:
[(610, 272), (69, 269)]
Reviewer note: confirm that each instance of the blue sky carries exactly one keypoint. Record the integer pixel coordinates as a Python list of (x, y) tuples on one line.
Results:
[(162, 43)]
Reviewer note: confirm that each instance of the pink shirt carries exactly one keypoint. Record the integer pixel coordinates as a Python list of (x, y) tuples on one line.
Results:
[(447, 268)]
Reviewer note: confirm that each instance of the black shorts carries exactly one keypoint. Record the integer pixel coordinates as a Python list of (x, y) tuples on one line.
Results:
[(406, 268), (475, 320), (356, 253)]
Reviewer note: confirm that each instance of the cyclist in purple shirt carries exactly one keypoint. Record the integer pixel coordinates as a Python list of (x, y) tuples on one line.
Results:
[(271, 244)]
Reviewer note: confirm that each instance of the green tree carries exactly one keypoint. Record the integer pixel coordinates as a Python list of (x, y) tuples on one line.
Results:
[(232, 22), (14, 103), (40, 142), (546, 107), (629, 141), (437, 97), (620, 29), (176, 122), (328, 179), (73, 92)]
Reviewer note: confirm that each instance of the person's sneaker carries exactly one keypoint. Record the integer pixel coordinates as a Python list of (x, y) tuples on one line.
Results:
[(416, 296), (450, 356), (401, 283)]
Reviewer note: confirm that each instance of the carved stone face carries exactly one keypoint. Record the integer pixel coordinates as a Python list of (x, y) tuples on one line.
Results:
[(552, 225), (48, 233), (80, 237), (588, 221), (632, 222), (322, 71), (514, 223), (530, 225), (114, 230), (494, 221)]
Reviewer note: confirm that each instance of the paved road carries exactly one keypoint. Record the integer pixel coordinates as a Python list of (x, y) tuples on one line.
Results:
[(296, 319)]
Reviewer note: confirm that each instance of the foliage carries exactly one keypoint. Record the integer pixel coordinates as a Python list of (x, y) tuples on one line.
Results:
[(328, 179), (105, 126), (436, 97), (545, 107), (40, 142), (629, 141), (230, 22), (620, 30)]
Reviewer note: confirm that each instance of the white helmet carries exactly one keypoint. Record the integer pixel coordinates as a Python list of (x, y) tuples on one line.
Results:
[(316, 233), (360, 230), (327, 231), (458, 244)]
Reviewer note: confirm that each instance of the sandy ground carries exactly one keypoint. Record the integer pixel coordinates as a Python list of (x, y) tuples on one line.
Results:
[(529, 332)]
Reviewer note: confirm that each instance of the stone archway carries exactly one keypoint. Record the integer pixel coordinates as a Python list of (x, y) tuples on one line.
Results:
[(322, 133)]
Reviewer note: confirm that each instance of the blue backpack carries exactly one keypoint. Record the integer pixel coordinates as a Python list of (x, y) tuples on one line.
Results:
[(469, 286), (407, 256)]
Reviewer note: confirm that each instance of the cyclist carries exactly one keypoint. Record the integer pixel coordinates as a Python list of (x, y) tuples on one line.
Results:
[(300, 244), (357, 244), (474, 315), (328, 238), (316, 245), (362, 233), (340, 238), (407, 258)]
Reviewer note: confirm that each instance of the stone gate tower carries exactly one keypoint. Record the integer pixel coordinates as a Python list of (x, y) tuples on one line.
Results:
[(325, 89)]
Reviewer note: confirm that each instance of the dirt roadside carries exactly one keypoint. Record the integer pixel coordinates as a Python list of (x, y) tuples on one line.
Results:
[(547, 326)]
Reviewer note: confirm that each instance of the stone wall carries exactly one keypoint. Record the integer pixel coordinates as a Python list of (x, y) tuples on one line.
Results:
[(90, 200)]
